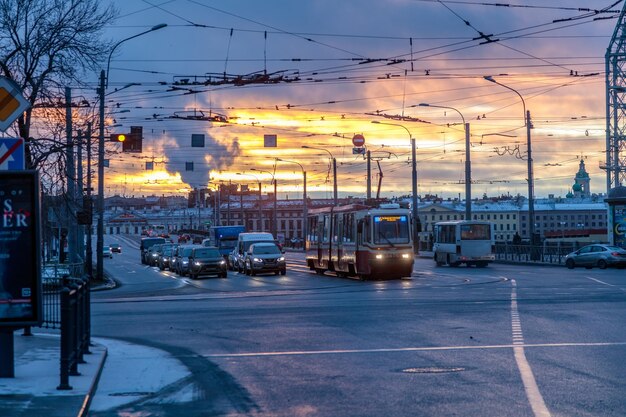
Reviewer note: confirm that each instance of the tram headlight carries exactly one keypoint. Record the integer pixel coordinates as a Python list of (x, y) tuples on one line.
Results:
[(379, 256), (406, 256)]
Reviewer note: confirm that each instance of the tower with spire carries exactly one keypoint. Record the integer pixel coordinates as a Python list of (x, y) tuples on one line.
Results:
[(581, 183)]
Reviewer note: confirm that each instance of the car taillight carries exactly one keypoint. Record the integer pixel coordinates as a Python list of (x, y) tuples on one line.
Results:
[(616, 254)]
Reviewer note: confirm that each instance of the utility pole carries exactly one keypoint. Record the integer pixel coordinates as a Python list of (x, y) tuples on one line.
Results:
[(70, 174), (369, 175), (89, 249), (531, 188)]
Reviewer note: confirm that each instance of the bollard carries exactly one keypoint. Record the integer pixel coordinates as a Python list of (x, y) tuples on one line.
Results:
[(65, 340)]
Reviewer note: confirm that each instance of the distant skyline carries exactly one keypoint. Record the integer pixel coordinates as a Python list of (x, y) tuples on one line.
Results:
[(334, 67)]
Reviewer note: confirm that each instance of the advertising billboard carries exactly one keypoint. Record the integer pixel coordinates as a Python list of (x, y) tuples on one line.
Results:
[(20, 260), (619, 225)]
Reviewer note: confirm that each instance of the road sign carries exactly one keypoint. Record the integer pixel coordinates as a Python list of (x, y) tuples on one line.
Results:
[(12, 103), (358, 140), (12, 154)]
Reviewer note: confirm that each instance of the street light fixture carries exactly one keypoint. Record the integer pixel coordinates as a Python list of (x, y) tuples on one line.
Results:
[(416, 220), (259, 199), (274, 214), (334, 160), (104, 82), (468, 164), (527, 123), (305, 211)]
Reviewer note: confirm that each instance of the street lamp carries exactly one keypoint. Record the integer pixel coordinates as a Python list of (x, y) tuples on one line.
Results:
[(104, 82), (334, 160), (416, 220), (527, 123), (468, 164), (259, 199), (274, 214), (304, 202)]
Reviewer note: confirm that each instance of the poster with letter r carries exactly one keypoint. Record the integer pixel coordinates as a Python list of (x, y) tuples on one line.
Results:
[(20, 258)]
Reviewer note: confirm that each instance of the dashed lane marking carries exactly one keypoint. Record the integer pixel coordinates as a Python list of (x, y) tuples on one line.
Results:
[(533, 394)]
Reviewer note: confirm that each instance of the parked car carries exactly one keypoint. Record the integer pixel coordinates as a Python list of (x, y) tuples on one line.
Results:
[(598, 255), (207, 260), (264, 257), (116, 247), (106, 252)]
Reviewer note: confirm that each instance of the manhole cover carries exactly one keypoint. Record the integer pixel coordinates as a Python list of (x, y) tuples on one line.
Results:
[(431, 370)]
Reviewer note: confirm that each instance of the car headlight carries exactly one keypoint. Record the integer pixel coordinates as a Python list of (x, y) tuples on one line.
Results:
[(282, 258), (154, 255), (197, 263), (257, 259), (185, 262), (222, 262)]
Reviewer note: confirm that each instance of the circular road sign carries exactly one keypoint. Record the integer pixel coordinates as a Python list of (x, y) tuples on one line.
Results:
[(358, 140)]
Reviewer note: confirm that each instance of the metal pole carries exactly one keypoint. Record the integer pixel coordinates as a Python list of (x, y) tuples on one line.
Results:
[(335, 180), (305, 209), (80, 237), (260, 226), (369, 175), (275, 228), (531, 188), (468, 175), (100, 205), (89, 249), (416, 220), (70, 174)]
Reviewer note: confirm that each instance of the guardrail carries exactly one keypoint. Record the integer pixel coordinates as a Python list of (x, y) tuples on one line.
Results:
[(551, 253)]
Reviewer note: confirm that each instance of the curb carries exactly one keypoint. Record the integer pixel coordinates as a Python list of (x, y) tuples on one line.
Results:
[(84, 409)]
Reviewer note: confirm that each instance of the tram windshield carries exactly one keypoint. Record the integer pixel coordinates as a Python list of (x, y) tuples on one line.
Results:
[(391, 229)]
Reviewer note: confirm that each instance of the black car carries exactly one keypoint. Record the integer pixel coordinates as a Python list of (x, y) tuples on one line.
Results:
[(116, 247), (207, 261)]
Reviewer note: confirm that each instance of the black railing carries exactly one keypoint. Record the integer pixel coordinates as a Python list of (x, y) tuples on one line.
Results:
[(549, 252), (75, 325)]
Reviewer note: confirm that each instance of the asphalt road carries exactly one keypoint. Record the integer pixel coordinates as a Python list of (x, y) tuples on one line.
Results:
[(506, 340)]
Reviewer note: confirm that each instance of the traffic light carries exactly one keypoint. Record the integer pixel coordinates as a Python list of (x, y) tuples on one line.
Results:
[(131, 142)]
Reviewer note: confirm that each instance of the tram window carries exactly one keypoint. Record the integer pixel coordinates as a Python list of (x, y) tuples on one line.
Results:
[(326, 229)]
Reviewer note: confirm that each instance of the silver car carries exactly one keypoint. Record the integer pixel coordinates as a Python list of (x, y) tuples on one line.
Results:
[(264, 257), (598, 255)]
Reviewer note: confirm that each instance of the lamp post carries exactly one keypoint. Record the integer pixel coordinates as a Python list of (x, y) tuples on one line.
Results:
[(259, 200), (104, 82), (334, 160), (527, 123), (274, 214), (416, 219), (468, 164), (305, 211)]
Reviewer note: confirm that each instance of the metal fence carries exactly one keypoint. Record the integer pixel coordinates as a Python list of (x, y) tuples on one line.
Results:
[(52, 279), (548, 252)]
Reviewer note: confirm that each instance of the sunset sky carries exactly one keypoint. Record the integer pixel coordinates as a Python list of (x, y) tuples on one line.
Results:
[(333, 67)]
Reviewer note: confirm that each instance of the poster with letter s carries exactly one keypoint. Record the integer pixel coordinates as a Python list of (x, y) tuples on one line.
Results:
[(20, 258)]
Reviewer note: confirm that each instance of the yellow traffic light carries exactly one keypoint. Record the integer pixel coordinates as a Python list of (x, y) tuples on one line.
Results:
[(118, 137)]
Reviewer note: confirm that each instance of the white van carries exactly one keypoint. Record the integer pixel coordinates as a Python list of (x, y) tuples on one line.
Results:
[(245, 240)]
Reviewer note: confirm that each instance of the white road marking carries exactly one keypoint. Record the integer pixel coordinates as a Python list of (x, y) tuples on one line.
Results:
[(537, 403), (601, 282), (407, 349)]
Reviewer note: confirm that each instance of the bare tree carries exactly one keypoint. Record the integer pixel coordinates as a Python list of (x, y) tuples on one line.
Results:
[(48, 44)]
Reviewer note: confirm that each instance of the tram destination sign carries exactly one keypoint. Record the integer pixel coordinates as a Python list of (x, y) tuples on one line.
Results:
[(20, 265)]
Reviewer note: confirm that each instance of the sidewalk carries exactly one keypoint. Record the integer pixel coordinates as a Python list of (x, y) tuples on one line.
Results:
[(115, 373)]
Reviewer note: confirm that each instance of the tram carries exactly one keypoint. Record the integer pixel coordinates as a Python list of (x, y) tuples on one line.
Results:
[(360, 241)]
